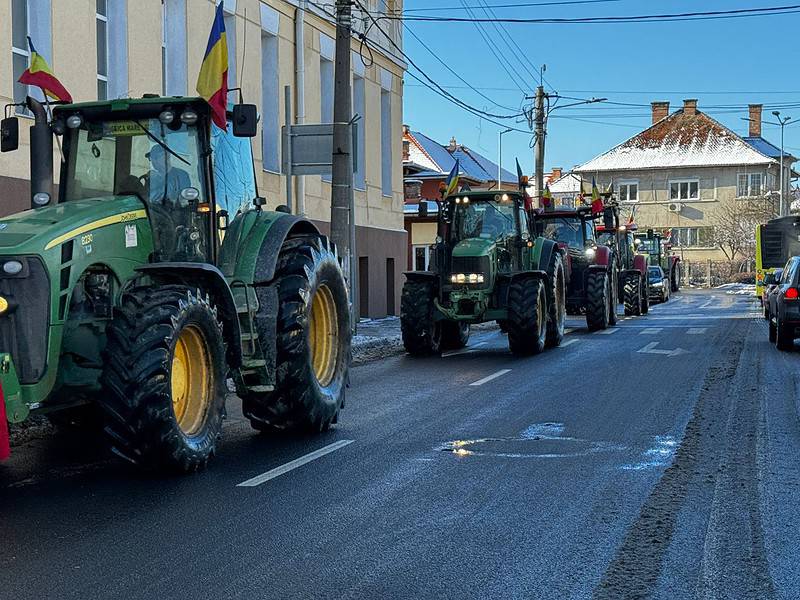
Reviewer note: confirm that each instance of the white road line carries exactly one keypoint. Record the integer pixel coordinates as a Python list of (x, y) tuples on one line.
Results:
[(696, 330), (650, 331), (567, 343), (298, 462), (608, 331), (490, 377), (467, 350), (569, 330)]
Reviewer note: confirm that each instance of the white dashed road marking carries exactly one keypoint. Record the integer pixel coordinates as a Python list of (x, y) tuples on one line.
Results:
[(567, 343), (490, 377), (607, 331), (696, 330), (298, 462), (467, 350), (650, 331)]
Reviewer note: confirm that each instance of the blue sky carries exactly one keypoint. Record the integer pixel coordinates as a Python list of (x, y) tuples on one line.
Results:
[(719, 62)]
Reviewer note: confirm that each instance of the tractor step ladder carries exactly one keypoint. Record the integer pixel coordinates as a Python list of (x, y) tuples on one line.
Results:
[(253, 370)]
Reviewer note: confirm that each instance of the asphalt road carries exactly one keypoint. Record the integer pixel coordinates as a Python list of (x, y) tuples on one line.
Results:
[(656, 459)]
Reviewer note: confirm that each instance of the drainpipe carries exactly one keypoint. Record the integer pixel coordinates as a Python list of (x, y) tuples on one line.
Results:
[(300, 90), (41, 154)]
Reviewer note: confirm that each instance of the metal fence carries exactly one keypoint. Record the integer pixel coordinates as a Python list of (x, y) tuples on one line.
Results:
[(710, 273)]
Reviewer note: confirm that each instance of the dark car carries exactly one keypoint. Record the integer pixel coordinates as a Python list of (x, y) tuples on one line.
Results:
[(784, 306), (659, 286)]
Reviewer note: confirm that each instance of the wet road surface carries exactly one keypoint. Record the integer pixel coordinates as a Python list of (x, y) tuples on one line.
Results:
[(656, 459)]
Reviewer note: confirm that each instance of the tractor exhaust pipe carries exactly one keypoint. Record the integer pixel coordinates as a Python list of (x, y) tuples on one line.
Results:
[(41, 155)]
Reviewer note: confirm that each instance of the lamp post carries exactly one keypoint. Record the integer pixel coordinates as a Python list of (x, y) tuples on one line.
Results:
[(500, 156), (782, 122)]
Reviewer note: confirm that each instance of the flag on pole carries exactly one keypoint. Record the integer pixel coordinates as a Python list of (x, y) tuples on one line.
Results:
[(212, 83), (38, 74), (523, 187), (451, 183), (597, 201), (547, 197), (631, 218)]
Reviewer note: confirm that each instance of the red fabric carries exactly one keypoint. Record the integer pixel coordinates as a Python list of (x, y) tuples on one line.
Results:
[(47, 82), (219, 104), (597, 206), (5, 448)]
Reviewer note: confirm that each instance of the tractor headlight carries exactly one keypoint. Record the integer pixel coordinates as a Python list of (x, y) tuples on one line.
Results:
[(458, 278), (590, 253), (3, 305), (41, 199), (467, 278)]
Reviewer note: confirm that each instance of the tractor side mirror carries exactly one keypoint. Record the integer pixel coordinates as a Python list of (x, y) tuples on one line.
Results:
[(222, 220), (9, 134), (245, 120), (422, 208)]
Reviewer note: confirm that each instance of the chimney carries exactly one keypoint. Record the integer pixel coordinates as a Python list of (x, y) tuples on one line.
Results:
[(556, 174), (660, 110), (453, 144), (690, 106), (755, 120)]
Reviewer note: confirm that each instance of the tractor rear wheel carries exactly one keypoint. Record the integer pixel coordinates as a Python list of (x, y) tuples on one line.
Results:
[(527, 316), (556, 296), (675, 278), (633, 294), (312, 345), (613, 286), (645, 295), (164, 381), (453, 335), (597, 301), (419, 330)]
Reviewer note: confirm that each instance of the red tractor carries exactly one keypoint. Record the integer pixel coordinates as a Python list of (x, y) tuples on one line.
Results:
[(633, 285), (591, 268)]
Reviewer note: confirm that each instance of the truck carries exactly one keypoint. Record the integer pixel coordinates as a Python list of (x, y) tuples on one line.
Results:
[(488, 266), (776, 241), (155, 282)]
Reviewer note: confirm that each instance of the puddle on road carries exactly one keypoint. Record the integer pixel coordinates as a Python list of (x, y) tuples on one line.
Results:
[(540, 440), (658, 455)]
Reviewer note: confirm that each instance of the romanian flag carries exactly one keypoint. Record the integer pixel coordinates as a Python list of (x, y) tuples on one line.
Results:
[(5, 449), (597, 201), (631, 219), (38, 74), (547, 197), (212, 83), (451, 183)]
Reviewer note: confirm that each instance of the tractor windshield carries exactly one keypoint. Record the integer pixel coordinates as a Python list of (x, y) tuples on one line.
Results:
[(650, 246), (485, 219), (567, 230)]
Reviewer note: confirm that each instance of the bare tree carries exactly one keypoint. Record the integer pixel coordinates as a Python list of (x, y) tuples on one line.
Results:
[(735, 228)]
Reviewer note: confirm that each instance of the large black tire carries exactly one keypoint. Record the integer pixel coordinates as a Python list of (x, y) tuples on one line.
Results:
[(307, 396), (783, 337), (454, 335), (527, 316), (417, 327), (140, 379), (597, 300), (645, 295), (613, 286), (632, 294), (675, 278), (773, 332), (556, 298)]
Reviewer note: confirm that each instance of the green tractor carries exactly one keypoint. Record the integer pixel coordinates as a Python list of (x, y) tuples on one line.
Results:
[(658, 253), (156, 283), (487, 267)]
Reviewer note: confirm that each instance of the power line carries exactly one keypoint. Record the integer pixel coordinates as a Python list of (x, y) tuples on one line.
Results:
[(500, 28), (518, 5)]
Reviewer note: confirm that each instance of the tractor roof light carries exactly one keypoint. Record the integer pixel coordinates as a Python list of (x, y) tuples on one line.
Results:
[(41, 199), (166, 117), (623, 229), (74, 121), (12, 267), (189, 117)]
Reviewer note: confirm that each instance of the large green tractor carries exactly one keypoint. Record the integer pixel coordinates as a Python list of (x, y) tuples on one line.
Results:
[(657, 250), (487, 267), (155, 283)]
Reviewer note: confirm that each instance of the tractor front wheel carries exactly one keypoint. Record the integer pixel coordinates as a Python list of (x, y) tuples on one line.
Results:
[(164, 381), (675, 278), (645, 295), (598, 298), (312, 345), (556, 297), (633, 294), (527, 316), (417, 327), (453, 335)]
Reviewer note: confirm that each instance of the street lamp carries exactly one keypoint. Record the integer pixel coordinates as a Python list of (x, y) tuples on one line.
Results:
[(782, 122), (500, 156)]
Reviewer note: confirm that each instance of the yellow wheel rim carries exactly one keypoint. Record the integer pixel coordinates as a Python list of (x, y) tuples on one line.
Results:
[(191, 380), (323, 335)]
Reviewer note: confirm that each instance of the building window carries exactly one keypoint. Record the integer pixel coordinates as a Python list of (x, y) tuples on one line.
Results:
[(229, 19), (386, 142), (20, 54), (684, 190), (749, 184), (628, 191), (359, 108), (422, 257), (270, 103), (326, 94), (693, 237), (101, 18)]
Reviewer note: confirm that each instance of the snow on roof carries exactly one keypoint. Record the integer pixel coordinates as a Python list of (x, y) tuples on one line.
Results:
[(566, 184), (679, 140)]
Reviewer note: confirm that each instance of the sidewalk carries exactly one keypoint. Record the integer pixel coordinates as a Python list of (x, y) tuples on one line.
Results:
[(376, 339)]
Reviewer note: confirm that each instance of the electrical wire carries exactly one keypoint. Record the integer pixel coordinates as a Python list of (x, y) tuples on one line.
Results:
[(504, 34), (518, 5)]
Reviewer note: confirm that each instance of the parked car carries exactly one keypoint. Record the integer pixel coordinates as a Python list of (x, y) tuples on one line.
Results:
[(771, 280), (784, 306), (659, 285)]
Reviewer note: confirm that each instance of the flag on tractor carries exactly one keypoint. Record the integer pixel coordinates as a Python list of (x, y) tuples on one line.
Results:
[(451, 183), (212, 83), (597, 201), (5, 449), (523, 187), (38, 74), (631, 218), (547, 197)]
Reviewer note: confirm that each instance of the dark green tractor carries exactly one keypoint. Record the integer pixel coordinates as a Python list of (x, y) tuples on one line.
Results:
[(155, 283), (487, 267)]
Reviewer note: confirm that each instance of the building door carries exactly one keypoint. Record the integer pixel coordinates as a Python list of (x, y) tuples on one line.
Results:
[(363, 286), (421, 257), (390, 286)]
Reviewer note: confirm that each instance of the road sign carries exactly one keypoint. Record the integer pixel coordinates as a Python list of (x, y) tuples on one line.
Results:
[(310, 148)]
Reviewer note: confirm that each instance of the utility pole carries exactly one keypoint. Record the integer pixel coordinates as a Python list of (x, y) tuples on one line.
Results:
[(539, 142), (342, 161), (782, 122)]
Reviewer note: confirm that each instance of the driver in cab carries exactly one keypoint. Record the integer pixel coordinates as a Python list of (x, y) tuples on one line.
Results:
[(166, 182)]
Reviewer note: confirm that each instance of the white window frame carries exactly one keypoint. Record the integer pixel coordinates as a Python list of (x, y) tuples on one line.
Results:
[(270, 102), (21, 52), (627, 184), (749, 185), (229, 18), (387, 133), (689, 182), (326, 85), (100, 77), (427, 250)]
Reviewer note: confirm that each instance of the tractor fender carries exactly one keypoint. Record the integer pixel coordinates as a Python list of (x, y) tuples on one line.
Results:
[(533, 274), (212, 281), (602, 256), (421, 276), (548, 248), (640, 263)]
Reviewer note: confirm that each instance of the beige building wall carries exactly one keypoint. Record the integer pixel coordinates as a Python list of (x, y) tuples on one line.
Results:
[(73, 59)]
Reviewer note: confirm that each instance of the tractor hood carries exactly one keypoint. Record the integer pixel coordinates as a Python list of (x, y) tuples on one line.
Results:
[(474, 247), (34, 231)]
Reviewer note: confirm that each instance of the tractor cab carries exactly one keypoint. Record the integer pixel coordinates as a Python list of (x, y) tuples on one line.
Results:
[(572, 229)]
